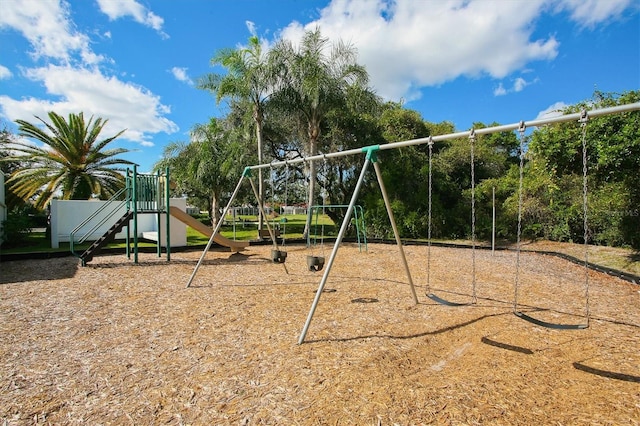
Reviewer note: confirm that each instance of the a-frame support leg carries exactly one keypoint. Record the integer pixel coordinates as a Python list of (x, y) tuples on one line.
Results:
[(387, 204), (370, 158), (218, 226)]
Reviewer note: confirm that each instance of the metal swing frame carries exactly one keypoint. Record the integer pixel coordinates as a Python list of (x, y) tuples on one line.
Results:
[(370, 158), (371, 155)]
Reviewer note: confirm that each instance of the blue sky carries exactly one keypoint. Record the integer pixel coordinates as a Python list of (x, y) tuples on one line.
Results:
[(135, 61)]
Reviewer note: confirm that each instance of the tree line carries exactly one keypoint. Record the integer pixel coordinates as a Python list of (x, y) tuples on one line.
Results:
[(297, 101)]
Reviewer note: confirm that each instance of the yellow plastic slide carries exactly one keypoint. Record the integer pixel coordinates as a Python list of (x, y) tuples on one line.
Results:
[(205, 230)]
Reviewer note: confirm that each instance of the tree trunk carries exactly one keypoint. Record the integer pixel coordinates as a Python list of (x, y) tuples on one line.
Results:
[(215, 210)]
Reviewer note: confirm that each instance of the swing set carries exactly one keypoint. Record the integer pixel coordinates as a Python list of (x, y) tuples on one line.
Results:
[(371, 158)]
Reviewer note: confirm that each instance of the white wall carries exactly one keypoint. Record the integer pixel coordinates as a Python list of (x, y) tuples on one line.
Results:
[(68, 214), (178, 228)]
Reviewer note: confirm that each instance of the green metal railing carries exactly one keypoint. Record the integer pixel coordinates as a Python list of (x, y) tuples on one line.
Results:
[(110, 209), (143, 193), (358, 214)]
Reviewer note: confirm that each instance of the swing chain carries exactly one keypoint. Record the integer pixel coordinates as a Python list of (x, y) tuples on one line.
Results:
[(521, 131), (584, 118), (472, 139), (272, 185), (286, 201), (430, 142), (324, 196)]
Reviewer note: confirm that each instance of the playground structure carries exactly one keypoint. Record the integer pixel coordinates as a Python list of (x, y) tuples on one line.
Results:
[(143, 194), (371, 155), (358, 221)]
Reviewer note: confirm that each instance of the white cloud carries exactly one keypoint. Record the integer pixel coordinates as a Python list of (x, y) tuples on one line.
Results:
[(519, 84), (116, 9), (407, 44), (180, 74), (47, 26), (5, 72), (500, 90), (588, 13), (127, 106), (251, 26), (72, 79), (554, 110)]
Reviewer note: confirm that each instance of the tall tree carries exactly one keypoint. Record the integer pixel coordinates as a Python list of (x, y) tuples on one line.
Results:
[(248, 79), (204, 168), (8, 167), (613, 147), (314, 80), (72, 164)]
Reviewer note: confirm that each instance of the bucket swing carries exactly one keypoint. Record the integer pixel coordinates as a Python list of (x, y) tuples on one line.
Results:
[(315, 263), (278, 256)]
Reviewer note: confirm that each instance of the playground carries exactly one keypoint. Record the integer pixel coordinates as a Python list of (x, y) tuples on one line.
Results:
[(122, 343)]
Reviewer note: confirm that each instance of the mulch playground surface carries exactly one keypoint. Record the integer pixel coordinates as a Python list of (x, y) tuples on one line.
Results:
[(119, 343)]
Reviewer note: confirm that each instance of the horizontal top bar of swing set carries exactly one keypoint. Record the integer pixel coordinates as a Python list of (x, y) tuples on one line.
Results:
[(484, 131)]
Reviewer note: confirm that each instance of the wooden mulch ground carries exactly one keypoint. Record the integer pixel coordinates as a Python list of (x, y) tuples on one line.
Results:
[(119, 343)]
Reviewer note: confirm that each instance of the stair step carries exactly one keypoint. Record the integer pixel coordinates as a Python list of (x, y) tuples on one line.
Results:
[(108, 236)]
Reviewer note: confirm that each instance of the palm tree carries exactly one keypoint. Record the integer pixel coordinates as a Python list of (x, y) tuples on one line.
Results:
[(248, 79), (315, 79), (72, 164)]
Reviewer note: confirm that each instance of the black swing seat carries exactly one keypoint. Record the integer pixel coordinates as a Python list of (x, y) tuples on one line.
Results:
[(278, 256), (315, 263), (550, 324), (446, 302)]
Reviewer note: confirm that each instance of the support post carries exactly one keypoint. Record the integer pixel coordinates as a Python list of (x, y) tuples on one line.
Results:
[(493, 222), (134, 200), (332, 256), (387, 204), (128, 207), (158, 207), (247, 172), (167, 210)]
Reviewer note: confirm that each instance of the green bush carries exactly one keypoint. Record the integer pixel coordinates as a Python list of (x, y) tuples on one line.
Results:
[(16, 228)]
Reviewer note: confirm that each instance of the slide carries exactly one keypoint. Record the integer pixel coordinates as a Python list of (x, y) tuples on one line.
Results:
[(205, 230)]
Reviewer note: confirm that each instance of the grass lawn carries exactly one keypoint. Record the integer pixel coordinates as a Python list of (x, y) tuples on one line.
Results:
[(620, 259), (38, 242), (290, 226)]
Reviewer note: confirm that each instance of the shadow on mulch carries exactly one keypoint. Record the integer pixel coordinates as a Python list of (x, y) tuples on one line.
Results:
[(606, 373), (25, 270), (409, 336), (233, 258)]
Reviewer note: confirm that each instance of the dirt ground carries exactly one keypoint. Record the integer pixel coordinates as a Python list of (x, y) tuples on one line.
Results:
[(119, 343)]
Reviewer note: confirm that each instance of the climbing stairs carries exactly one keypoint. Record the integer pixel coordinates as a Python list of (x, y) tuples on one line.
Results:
[(108, 236)]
